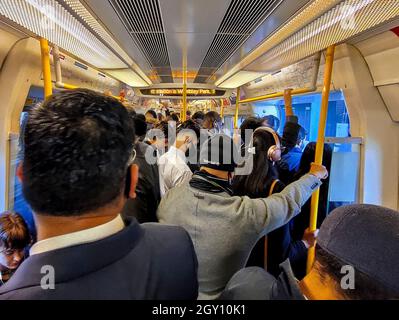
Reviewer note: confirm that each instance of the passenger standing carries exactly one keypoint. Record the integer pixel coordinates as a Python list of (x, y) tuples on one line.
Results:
[(224, 228), (14, 241), (356, 259), (293, 138), (173, 167), (213, 123), (144, 206), (77, 174), (265, 151), (198, 118)]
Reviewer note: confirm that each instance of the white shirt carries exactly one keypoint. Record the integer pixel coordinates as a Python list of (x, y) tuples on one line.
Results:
[(81, 237), (173, 170)]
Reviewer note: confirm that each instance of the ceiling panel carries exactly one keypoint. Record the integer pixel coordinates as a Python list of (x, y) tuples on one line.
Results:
[(190, 26)]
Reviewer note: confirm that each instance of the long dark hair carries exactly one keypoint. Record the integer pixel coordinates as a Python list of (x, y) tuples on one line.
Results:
[(257, 183)]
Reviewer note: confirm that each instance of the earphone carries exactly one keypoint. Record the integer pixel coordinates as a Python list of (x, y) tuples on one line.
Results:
[(272, 152)]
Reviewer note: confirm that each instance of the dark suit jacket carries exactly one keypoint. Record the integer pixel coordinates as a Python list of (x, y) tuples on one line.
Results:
[(147, 261), (144, 207)]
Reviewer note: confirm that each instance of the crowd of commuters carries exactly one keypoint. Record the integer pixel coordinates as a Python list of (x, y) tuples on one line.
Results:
[(163, 209)]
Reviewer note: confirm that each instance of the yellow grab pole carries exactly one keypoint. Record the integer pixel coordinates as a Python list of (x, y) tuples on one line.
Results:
[(184, 112), (237, 108), (221, 108), (45, 50), (288, 103), (320, 146)]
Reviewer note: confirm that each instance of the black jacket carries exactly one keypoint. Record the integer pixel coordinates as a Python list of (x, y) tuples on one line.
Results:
[(144, 207), (147, 261)]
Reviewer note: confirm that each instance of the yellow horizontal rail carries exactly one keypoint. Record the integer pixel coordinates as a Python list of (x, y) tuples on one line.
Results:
[(276, 95)]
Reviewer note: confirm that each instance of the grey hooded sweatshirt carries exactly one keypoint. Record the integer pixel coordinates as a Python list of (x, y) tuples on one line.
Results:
[(224, 229)]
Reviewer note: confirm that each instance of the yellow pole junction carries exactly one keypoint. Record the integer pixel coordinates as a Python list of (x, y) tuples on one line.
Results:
[(238, 102), (320, 146), (45, 51)]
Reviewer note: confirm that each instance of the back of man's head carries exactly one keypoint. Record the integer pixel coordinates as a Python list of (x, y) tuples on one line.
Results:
[(219, 152), (358, 249), (77, 151)]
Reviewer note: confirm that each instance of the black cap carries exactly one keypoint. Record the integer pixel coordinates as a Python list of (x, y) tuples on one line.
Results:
[(367, 238), (219, 152)]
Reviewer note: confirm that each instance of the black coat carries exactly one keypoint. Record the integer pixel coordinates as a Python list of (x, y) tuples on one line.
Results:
[(144, 207), (147, 261)]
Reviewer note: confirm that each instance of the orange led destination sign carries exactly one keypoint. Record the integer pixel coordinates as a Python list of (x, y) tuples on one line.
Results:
[(176, 92)]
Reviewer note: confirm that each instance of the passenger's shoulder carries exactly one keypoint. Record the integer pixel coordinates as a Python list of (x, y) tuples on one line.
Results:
[(166, 235)]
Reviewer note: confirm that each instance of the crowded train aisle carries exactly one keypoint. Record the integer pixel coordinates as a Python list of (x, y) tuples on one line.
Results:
[(228, 209), (199, 150)]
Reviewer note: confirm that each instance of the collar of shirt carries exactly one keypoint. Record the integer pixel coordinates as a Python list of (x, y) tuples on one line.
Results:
[(173, 151), (81, 237)]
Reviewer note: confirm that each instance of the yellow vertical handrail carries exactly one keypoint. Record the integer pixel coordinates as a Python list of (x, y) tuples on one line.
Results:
[(320, 146), (45, 52), (184, 113), (221, 108), (237, 108), (289, 111)]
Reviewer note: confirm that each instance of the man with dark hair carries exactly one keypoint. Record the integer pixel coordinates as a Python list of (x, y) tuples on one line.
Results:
[(14, 240), (77, 174), (213, 123), (198, 118), (173, 167), (144, 206), (356, 259), (224, 228), (292, 140)]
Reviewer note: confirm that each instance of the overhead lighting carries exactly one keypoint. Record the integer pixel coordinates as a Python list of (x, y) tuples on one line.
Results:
[(348, 19), (129, 77), (240, 78), (300, 20), (77, 7), (50, 20)]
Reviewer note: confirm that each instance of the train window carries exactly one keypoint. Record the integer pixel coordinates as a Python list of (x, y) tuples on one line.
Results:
[(17, 202), (307, 109), (344, 172)]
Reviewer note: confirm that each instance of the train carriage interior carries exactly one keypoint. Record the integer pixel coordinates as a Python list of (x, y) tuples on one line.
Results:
[(333, 65)]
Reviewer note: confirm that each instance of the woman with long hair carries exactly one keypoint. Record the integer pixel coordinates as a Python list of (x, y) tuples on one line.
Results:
[(263, 181)]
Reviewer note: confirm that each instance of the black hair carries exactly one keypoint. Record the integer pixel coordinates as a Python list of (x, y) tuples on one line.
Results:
[(175, 117), (14, 232), (77, 151), (190, 125), (366, 288), (199, 115), (250, 123), (152, 113), (212, 117), (160, 116), (257, 183)]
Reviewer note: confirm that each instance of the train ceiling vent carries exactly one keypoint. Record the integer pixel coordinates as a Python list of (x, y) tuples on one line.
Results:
[(241, 19), (143, 21)]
